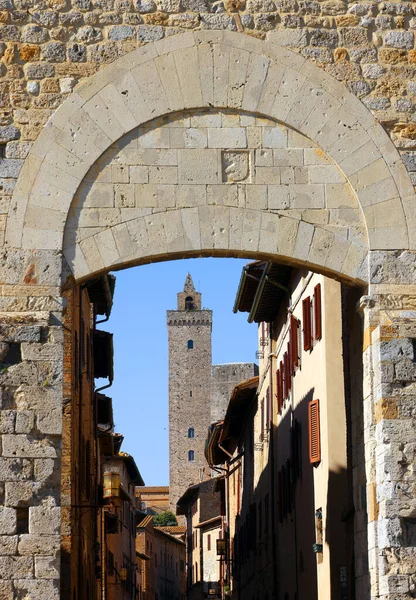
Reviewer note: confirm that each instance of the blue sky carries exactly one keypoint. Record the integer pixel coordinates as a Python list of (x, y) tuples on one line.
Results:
[(138, 322)]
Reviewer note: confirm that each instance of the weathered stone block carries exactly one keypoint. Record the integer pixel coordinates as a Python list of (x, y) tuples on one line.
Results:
[(46, 567), (8, 547), (15, 469), (7, 524), (26, 446), (44, 519), (37, 589), (38, 544)]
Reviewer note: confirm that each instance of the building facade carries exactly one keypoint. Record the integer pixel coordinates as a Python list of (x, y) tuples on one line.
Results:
[(88, 355), (203, 507), (291, 442), (198, 390), (163, 570), (153, 499), (120, 475)]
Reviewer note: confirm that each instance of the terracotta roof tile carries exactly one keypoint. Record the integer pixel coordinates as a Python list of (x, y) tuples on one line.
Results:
[(161, 489)]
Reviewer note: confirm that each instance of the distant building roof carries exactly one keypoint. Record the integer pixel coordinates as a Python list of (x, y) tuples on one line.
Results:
[(152, 489), (146, 521), (172, 529)]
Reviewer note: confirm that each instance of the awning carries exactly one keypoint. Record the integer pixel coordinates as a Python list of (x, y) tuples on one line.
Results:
[(104, 411), (101, 293), (213, 454), (262, 288), (103, 355)]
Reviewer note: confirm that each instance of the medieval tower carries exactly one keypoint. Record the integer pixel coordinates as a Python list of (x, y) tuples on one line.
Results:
[(190, 360), (199, 391)]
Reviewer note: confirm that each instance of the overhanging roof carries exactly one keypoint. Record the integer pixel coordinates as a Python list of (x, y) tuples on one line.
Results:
[(243, 395), (101, 292), (131, 467), (213, 454), (263, 285)]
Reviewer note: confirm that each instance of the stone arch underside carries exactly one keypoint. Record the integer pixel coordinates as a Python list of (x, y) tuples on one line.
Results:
[(214, 71), (214, 181)]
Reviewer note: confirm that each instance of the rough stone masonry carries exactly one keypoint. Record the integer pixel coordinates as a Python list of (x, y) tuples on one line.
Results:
[(358, 64)]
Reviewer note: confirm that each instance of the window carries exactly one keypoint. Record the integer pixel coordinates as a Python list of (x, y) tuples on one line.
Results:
[(317, 314), (190, 394), (294, 349), (190, 344), (189, 303), (314, 432), (191, 455), (209, 542), (191, 432), (307, 325)]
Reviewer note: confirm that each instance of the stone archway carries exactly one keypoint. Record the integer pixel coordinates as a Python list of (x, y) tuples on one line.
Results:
[(225, 74), (219, 70)]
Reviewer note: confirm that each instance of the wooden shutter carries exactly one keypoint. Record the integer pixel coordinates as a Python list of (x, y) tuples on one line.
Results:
[(307, 331), (294, 349), (317, 310), (286, 376), (314, 432), (279, 390)]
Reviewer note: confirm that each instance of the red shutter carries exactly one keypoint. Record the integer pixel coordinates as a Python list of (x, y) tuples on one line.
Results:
[(286, 375), (279, 391), (294, 324), (317, 310), (314, 432), (307, 332)]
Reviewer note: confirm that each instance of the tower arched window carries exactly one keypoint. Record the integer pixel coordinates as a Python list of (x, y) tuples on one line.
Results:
[(190, 344), (189, 303), (191, 432), (191, 455)]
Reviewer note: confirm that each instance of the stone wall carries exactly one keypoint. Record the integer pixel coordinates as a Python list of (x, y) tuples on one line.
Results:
[(224, 378), (47, 48)]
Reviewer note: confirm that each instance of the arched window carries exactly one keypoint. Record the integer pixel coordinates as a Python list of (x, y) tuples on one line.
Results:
[(189, 303), (191, 455), (191, 432), (190, 344)]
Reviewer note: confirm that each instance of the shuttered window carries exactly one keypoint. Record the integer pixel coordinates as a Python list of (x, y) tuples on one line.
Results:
[(279, 390), (314, 432), (317, 311), (307, 330), (286, 376), (294, 347)]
